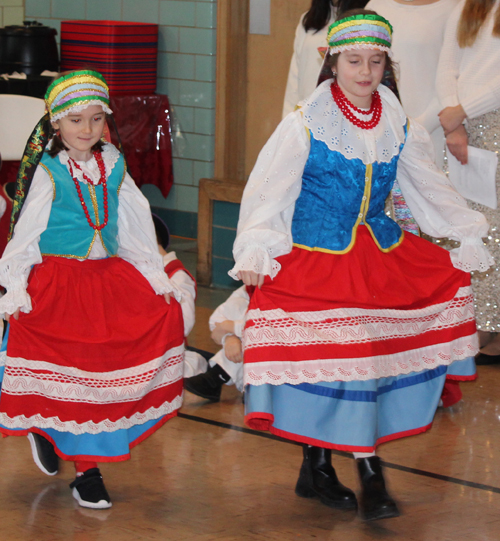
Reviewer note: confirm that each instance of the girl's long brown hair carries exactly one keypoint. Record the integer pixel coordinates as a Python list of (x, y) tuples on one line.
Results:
[(472, 19)]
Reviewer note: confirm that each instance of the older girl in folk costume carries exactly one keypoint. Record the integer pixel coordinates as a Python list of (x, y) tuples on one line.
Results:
[(355, 325), (93, 364), (468, 85)]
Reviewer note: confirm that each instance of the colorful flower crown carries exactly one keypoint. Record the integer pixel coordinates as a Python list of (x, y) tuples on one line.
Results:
[(76, 91), (368, 31)]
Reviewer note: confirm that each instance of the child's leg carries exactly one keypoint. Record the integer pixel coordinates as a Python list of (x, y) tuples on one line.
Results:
[(88, 487), (82, 467), (317, 479), (375, 502)]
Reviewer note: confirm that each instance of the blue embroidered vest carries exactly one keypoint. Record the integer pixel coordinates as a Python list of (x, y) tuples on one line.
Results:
[(68, 233), (337, 195)]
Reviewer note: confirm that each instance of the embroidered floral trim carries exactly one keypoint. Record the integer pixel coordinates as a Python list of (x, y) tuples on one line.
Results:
[(110, 155), (90, 427), (279, 373), (323, 118)]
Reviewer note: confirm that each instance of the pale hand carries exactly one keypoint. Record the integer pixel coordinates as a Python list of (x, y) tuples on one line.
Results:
[(451, 118), (221, 329), (166, 296), (233, 350), (15, 314), (251, 278), (457, 142)]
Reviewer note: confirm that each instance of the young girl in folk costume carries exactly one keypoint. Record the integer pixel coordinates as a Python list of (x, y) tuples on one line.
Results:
[(94, 355), (355, 325)]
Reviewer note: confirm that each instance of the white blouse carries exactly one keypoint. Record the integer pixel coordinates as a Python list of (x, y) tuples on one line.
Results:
[(136, 235), (470, 76), (264, 227)]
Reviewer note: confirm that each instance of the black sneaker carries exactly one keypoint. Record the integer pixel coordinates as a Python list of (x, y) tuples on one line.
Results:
[(43, 454), (208, 385), (89, 490)]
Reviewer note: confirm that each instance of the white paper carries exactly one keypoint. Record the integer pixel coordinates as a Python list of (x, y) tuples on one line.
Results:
[(477, 179)]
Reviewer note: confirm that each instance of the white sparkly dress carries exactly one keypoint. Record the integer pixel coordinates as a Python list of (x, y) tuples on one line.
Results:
[(470, 77)]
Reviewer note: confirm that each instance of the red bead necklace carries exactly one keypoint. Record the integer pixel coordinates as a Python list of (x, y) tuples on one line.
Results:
[(347, 108), (102, 180)]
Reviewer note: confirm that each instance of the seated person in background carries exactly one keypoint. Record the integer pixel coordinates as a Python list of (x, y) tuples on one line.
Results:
[(226, 366), (194, 363)]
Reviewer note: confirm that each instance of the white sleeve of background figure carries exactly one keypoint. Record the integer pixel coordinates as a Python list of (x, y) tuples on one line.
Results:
[(22, 251), (186, 285), (486, 95), (449, 62), (438, 208), (137, 239), (292, 84), (266, 212), (233, 309)]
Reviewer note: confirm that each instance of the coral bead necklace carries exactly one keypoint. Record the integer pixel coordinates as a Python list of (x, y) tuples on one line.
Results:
[(348, 108), (102, 170)]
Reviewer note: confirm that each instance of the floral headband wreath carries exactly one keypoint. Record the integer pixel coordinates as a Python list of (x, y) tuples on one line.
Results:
[(76, 91), (370, 31), (362, 31), (73, 92)]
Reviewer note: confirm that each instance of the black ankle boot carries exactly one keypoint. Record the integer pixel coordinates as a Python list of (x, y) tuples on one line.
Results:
[(317, 479), (375, 502)]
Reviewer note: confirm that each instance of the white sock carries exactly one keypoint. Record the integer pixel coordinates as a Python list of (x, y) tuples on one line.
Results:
[(364, 455)]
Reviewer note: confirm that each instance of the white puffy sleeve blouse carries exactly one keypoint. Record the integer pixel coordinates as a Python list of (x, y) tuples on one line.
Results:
[(264, 227), (136, 236)]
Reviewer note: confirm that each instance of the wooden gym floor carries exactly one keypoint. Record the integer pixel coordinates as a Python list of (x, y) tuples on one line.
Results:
[(206, 477)]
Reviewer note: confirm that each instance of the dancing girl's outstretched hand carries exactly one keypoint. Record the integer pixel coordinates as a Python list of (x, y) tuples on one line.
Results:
[(251, 278), (15, 314)]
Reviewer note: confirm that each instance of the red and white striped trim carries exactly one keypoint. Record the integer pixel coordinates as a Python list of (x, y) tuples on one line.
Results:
[(91, 427), (353, 325), (69, 384), (349, 369)]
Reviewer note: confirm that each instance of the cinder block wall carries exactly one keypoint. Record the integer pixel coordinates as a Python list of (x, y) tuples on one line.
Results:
[(186, 73)]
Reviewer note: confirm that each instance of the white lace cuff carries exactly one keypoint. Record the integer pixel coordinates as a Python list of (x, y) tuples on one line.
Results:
[(161, 284), (255, 258), (471, 255), (16, 297)]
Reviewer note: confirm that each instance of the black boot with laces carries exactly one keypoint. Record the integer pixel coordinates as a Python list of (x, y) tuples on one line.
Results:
[(89, 490), (44, 454)]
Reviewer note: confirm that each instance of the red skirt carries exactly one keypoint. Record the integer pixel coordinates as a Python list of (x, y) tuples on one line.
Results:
[(99, 352), (361, 315)]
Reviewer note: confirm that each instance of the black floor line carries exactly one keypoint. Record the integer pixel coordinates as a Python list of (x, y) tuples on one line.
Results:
[(391, 465)]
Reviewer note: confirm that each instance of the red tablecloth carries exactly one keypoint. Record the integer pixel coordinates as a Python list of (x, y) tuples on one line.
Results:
[(144, 126)]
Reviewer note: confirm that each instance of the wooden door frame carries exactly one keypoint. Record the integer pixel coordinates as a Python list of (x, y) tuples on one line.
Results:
[(231, 89)]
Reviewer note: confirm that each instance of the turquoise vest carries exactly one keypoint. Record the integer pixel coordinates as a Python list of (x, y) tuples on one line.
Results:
[(337, 195), (68, 232)]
